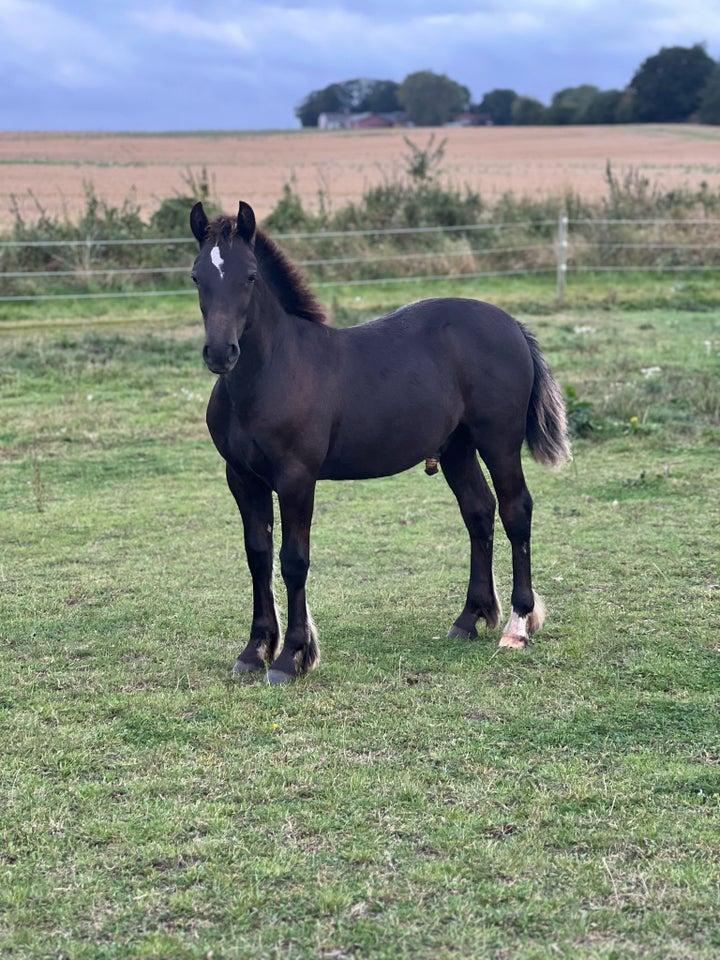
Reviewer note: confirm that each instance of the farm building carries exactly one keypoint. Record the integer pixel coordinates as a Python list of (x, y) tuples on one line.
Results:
[(361, 121)]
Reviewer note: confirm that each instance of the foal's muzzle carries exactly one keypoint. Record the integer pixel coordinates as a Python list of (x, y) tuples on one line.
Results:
[(221, 359)]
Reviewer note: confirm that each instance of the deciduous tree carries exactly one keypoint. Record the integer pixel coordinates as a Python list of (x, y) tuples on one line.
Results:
[(569, 105), (709, 111), (669, 85), (330, 99), (432, 99), (526, 111), (602, 108), (498, 104)]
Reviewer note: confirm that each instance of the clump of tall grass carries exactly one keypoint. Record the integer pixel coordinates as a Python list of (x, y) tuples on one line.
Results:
[(638, 224), (98, 251)]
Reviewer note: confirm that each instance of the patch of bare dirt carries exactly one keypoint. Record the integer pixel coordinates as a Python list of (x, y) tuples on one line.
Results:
[(50, 171)]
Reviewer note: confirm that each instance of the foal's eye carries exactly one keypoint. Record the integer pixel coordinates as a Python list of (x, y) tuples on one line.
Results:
[(252, 278), (193, 278)]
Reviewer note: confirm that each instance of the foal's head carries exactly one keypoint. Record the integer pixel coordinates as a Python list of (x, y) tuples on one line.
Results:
[(224, 272), (234, 253)]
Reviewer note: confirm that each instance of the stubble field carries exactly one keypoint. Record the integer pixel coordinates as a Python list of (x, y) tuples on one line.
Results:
[(49, 171)]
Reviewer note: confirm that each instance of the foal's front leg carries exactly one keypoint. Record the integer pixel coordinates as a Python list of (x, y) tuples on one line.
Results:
[(300, 651), (254, 500)]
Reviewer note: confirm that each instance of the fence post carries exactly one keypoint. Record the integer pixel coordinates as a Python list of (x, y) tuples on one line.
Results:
[(561, 256)]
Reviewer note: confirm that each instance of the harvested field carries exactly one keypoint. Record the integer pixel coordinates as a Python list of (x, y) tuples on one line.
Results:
[(49, 171)]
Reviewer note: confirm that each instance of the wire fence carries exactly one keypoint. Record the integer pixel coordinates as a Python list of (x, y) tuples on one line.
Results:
[(94, 268)]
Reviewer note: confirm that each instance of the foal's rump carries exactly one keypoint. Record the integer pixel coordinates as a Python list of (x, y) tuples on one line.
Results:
[(410, 379), (504, 380)]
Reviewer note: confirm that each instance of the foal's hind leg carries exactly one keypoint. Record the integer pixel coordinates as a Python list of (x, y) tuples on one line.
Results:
[(515, 507), (254, 500), (477, 506)]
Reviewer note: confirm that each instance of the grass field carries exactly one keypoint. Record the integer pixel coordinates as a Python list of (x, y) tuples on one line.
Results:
[(414, 796)]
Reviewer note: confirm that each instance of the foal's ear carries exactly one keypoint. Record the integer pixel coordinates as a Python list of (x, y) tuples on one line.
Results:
[(246, 222), (198, 223)]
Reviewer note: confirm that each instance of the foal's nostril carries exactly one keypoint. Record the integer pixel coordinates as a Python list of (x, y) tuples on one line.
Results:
[(222, 359)]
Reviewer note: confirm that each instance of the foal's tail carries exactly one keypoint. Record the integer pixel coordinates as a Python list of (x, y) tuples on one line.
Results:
[(546, 429)]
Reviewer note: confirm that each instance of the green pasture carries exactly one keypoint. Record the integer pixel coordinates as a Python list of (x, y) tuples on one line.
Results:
[(605, 294), (414, 797)]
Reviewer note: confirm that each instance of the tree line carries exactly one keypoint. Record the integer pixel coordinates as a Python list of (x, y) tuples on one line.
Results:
[(676, 84)]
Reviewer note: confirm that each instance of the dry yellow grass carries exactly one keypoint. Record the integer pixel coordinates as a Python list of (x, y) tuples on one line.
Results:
[(51, 169)]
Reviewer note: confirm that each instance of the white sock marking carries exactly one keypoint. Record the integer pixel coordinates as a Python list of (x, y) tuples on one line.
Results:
[(217, 260), (516, 626)]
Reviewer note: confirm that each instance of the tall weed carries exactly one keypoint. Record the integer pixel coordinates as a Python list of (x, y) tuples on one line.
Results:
[(53, 253)]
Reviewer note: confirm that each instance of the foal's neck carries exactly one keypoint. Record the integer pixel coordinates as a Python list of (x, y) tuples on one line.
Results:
[(269, 325)]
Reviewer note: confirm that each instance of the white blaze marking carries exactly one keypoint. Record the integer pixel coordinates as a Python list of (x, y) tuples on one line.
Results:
[(217, 260)]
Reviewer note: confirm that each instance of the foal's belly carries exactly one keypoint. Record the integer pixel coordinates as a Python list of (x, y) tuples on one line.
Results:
[(357, 455), (375, 465)]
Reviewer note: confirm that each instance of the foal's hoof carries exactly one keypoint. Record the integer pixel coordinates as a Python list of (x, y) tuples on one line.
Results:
[(242, 666), (457, 633), (512, 642), (275, 677)]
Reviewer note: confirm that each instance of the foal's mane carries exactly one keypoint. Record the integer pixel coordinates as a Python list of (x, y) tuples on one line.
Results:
[(277, 270)]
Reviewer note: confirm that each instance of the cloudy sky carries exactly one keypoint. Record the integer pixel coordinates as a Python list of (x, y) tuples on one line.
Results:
[(243, 64)]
